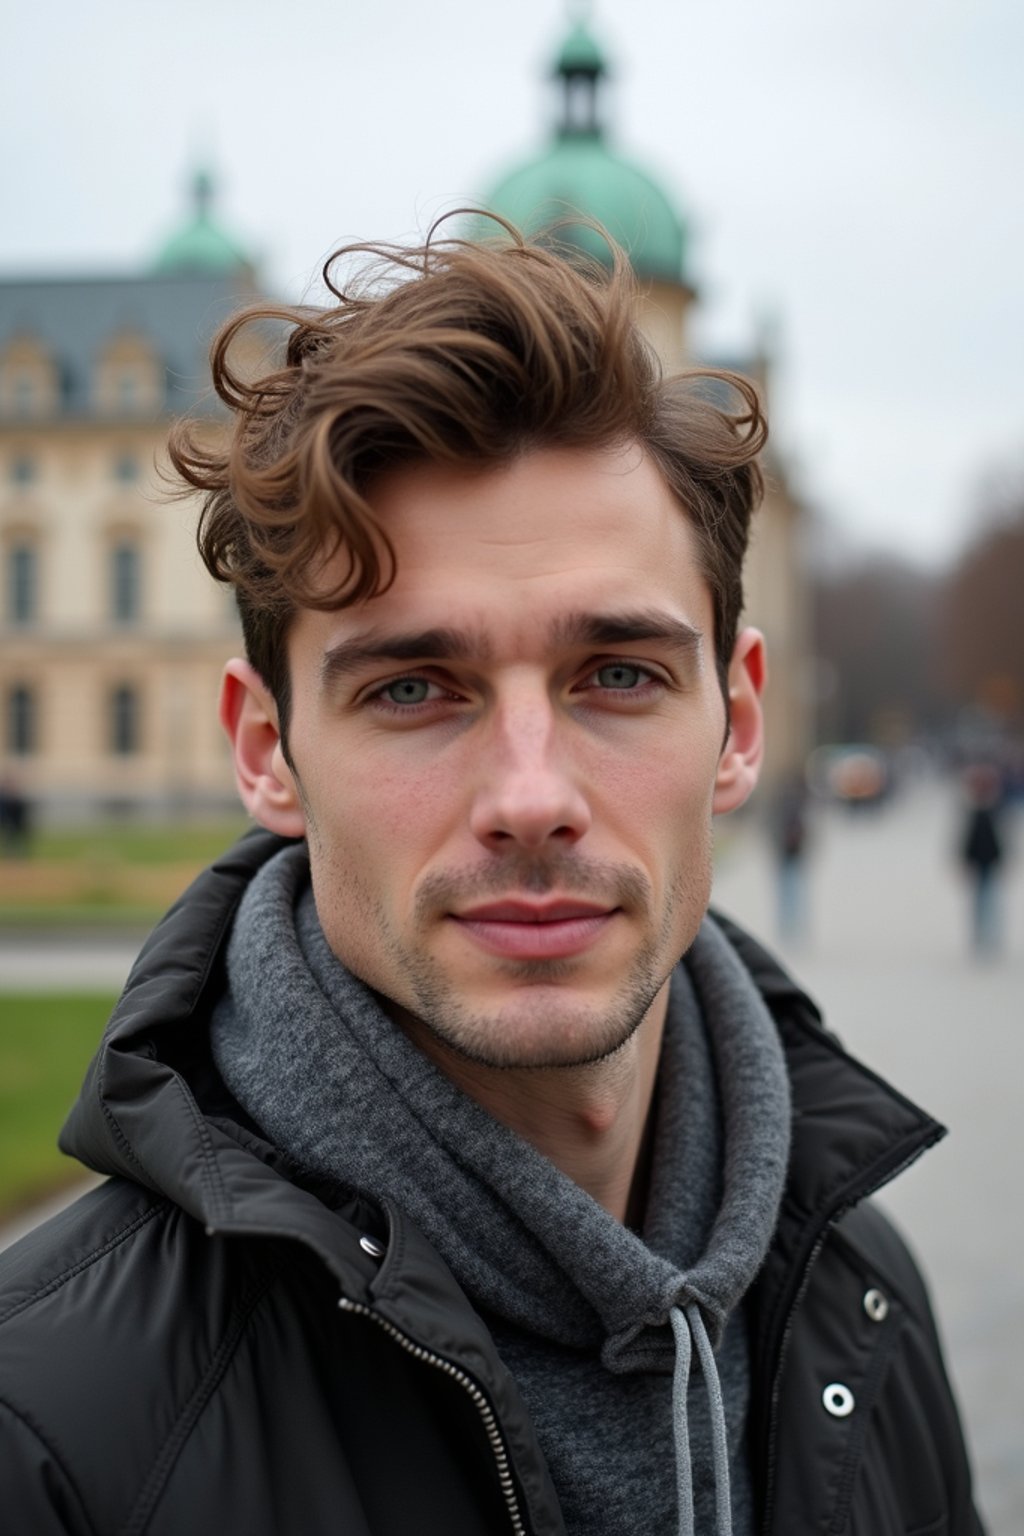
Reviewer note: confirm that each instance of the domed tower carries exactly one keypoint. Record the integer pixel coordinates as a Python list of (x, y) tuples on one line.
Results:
[(580, 174), (201, 246)]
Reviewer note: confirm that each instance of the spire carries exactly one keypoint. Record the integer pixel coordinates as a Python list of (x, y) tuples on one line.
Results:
[(581, 66), (200, 245), (202, 192)]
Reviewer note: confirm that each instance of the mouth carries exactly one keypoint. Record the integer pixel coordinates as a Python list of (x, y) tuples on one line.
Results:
[(526, 930)]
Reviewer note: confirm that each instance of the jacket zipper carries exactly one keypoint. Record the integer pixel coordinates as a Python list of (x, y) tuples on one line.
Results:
[(476, 1396)]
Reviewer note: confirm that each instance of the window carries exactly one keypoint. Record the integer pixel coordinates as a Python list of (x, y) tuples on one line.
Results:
[(22, 583), (28, 378), (23, 469), (124, 721), (129, 377), (21, 721), (124, 582), (24, 394), (126, 469)]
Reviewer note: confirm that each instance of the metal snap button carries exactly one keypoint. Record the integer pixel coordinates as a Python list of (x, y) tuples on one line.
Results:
[(838, 1400), (876, 1306), (372, 1245)]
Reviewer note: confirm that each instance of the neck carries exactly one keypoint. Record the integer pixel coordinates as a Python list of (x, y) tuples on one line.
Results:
[(588, 1120)]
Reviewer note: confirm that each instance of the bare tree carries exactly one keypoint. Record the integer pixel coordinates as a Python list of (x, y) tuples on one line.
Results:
[(981, 631), (875, 633)]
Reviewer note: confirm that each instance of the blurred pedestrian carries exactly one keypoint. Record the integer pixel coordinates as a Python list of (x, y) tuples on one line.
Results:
[(789, 843), (982, 852), (15, 819)]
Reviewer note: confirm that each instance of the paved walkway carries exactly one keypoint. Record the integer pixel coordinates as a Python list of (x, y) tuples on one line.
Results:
[(65, 962), (887, 959)]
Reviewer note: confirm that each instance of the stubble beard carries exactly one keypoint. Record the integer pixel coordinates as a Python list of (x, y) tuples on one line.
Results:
[(538, 1028)]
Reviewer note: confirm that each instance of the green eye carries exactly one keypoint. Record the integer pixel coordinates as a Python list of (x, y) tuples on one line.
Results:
[(619, 675), (407, 690)]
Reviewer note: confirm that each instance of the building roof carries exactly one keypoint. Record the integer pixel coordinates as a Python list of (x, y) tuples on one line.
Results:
[(74, 319), (580, 174)]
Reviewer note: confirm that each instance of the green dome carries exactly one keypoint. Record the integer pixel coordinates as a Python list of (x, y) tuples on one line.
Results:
[(579, 174), (201, 245)]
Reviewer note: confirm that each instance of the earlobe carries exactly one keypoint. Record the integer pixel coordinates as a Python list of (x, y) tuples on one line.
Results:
[(739, 766), (265, 782)]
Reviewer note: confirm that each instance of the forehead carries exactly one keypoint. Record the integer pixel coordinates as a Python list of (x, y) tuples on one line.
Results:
[(511, 547)]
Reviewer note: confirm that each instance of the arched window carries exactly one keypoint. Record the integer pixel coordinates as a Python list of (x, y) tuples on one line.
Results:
[(29, 379), (125, 572), (22, 722), (22, 583), (25, 394), (124, 720), (126, 469), (129, 378)]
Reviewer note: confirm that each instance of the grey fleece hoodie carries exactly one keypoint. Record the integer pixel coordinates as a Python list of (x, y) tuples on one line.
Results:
[(629, 1348)]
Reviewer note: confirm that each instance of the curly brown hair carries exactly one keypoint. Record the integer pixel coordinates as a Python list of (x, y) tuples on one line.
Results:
[(460, 352)]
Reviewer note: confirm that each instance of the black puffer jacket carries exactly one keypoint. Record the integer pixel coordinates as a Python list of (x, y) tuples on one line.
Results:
[(212, 1342)]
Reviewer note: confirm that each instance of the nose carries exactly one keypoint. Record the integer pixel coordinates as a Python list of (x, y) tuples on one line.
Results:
[(527, 793)]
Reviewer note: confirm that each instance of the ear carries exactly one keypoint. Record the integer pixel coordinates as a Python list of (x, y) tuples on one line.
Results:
[(739, 766), (265, 782)]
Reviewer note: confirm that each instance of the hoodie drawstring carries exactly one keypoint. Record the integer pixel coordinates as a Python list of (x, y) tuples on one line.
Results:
[(688, 1327)]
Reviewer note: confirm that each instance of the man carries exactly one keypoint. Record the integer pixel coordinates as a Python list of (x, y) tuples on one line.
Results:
[(445, 1195)]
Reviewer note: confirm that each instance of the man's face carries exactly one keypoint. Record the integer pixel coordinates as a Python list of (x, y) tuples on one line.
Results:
[(506, 764)]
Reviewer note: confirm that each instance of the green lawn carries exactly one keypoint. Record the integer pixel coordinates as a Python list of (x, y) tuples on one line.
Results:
[(45, 1044), (138, 843), (118, 874)]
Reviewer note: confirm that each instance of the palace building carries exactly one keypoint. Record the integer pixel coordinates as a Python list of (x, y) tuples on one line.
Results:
[(112, 635)]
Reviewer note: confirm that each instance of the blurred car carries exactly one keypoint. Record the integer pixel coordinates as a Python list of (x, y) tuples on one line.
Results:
[(853, 774)]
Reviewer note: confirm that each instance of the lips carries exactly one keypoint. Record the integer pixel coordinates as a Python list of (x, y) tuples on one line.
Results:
[(519, 911), (527, 930)]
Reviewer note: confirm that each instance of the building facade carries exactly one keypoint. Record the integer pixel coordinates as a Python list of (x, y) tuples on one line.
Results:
[(112, 636)]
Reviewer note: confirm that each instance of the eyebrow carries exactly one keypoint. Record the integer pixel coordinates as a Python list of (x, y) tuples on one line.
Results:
[(611, 629), (445, 643), (440, 644)]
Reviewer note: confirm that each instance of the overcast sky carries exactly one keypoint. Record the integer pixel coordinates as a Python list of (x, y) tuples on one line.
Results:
[(852, 172)]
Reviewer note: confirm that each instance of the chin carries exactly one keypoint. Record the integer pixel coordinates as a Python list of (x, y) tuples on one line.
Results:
[(538, 1033)]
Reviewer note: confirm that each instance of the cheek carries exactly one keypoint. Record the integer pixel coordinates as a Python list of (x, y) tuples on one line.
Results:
[(383, 816), (665, 795)]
